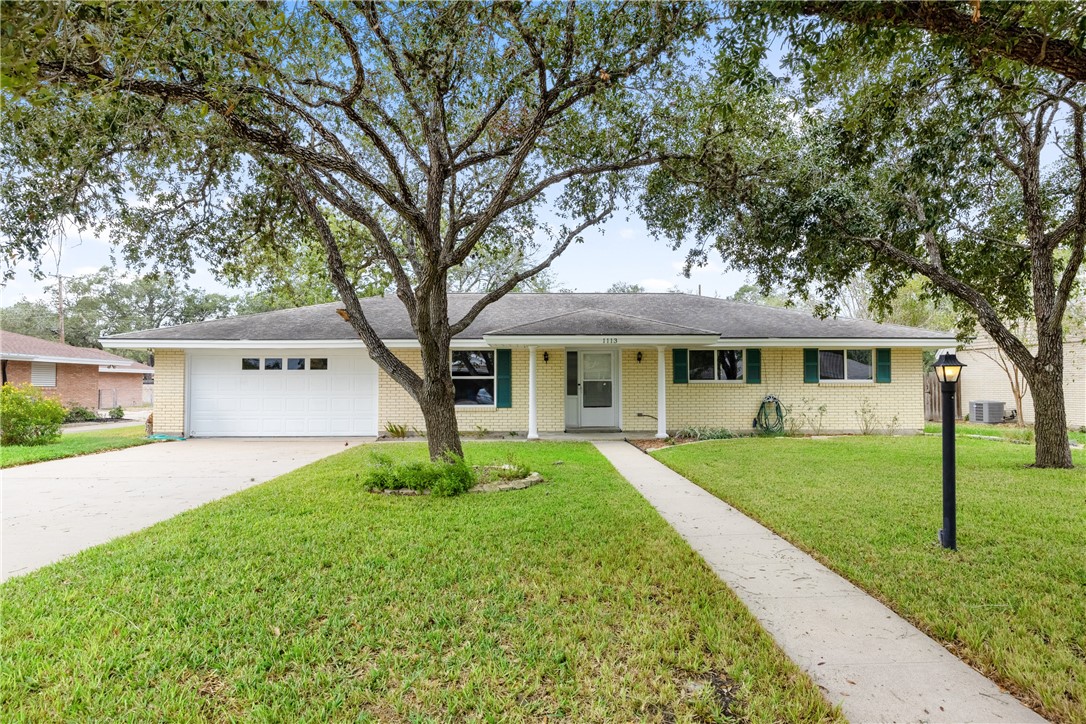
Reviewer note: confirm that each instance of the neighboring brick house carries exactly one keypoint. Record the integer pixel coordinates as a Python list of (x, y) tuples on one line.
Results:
[(986, 378), (73, 375), (533, 363)]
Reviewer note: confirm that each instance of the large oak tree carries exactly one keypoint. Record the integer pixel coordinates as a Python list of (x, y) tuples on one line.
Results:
[(434, 130)]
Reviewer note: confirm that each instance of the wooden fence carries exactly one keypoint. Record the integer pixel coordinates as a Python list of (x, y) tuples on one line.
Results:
[(933, 399)]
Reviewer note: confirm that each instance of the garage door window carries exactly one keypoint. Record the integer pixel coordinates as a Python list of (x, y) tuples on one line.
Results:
[(273, 363), (250, 363), (473, 377), (296, 363), (318, 363)]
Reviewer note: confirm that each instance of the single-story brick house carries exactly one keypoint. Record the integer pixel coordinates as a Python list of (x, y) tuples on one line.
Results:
[(533, 363), (73, 375)]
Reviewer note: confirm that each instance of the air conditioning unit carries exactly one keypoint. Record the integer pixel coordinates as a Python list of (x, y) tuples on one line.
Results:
[(989, 411)]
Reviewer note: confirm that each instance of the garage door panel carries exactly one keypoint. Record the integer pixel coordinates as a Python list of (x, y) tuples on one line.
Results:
[(227, 401)]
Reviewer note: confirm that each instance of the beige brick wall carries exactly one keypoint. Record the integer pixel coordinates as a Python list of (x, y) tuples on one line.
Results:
[(718, 404), (984, 379), (396, 406), (126, 387), (169, 407), (734, 405)]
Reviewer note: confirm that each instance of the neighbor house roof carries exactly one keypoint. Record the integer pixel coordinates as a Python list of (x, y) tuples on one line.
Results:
[(32, 349), (521, 318)]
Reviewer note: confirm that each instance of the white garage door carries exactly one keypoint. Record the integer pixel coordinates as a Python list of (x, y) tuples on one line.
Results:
[(286, 393)]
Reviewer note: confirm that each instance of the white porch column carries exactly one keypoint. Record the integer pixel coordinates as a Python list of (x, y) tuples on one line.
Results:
[(533, 429), (661, 403)]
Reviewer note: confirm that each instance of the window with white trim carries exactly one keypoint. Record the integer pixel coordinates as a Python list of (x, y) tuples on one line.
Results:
[(43, 374), (473, 373), (715, 365), (844, 365)]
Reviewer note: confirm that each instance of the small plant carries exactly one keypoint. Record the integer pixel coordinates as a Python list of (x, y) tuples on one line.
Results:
[(891, 429), (446, 477), (868, 419), (78, 413), (27, 417), (396, 431), (417, 432), (705, 433), (481, 432), (117, 413)]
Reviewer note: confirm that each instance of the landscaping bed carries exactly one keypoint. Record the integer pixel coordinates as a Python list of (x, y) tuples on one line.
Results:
[(72, 444), (1009, 601), (308, 598)]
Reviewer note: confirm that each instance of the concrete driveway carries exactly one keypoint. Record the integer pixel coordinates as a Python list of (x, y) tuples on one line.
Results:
[(54, 509)]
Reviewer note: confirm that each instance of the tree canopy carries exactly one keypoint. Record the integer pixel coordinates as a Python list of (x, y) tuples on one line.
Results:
[(434, 130)]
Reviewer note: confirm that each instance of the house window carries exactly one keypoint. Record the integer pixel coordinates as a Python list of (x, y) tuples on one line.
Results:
[(716, 365), (43, 374), (318, 363), (250, 363), (296, 363), (838, 365), (473, 376), (273, 363)]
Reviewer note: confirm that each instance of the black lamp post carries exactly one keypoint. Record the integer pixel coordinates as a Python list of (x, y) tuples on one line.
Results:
[(948, 369)]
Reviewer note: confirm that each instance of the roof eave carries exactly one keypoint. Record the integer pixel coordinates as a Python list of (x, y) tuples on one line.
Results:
[(56, 359), (915, 342)]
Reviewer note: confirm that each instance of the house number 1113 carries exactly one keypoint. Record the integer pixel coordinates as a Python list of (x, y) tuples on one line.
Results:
[(610, 340)]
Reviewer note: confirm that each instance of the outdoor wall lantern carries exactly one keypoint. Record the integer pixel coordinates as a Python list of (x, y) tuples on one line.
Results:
[(546, 357), (948, 369), (638, 358)]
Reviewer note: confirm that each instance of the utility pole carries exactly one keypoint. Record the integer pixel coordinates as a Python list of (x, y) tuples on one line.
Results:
[(60, 307)]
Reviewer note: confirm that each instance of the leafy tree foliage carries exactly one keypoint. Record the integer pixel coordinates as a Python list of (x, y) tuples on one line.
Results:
[(437, 128), (102, 304), (625, 288), (902, 157)]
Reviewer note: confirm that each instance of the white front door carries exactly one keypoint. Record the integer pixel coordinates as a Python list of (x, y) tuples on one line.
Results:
[(598, 403)]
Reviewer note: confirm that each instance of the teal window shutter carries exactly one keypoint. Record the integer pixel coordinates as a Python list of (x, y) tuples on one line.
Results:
[(810, 366), (679, 374), (753, 372), (882, 364), (504, 392)]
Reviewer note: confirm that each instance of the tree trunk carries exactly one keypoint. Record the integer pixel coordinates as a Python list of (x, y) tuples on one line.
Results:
[(1053, 449), (439, 412)]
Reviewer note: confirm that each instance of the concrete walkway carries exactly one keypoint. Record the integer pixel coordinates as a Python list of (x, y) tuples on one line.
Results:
[(866, 658), (54, 509)]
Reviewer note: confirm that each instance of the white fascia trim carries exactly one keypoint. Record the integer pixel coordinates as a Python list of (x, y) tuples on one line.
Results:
[(125, 370), (836, 342), (593, 340), (274, 343), (58, 360)]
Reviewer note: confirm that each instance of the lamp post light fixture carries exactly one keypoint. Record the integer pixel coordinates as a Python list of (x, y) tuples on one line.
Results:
[(948, 369)]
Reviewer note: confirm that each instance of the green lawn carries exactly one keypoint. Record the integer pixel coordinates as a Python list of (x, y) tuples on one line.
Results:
[(72, 444), (1011, 601), (1013, 432), (309, 599)]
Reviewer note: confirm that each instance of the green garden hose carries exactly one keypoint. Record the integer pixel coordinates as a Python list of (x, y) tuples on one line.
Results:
[(770, 416)]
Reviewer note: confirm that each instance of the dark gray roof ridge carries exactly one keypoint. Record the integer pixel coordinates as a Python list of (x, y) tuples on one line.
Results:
[(506, 330)]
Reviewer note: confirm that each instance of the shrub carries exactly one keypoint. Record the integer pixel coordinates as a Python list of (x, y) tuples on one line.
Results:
[(705, 433), (117, 413), (394, 430), (27, 417), (78, 413), (447, 477)]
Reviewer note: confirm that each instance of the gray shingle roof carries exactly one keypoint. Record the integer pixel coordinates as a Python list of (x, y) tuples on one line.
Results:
[(546, 314)]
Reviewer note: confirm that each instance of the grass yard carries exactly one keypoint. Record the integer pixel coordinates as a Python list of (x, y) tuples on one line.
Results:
[(72, 444), (1011, 432), (1011, 601), (309, 599)]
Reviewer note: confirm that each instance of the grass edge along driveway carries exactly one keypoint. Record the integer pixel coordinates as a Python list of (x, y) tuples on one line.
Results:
[(72, 444), (309, 598), (1009, 601)]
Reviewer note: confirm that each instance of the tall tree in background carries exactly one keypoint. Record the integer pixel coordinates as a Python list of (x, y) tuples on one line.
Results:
[(435, 127), (903, 157)]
